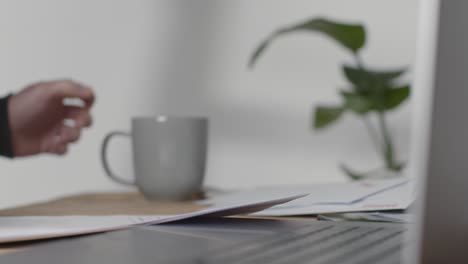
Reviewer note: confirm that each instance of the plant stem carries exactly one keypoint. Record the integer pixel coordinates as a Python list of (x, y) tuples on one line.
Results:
[(384, 148), (388, 151)]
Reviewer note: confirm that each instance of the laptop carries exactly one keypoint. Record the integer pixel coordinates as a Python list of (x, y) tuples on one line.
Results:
[(439, 158)]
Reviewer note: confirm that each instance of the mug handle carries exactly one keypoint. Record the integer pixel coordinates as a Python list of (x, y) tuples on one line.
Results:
[(105, 163)]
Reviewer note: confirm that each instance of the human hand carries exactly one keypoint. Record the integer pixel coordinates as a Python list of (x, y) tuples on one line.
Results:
[(40, 122)]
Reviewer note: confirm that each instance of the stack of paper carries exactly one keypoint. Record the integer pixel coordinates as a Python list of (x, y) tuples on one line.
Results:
[(14, 229), (360, 196)]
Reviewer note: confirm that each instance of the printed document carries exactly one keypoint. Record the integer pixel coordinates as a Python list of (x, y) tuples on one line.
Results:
[(358, 196)]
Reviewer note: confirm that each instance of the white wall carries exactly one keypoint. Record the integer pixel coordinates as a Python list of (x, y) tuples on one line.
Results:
[(189, 57)]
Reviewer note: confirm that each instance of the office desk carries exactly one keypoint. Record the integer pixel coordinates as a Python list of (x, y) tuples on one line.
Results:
[(96, 204)]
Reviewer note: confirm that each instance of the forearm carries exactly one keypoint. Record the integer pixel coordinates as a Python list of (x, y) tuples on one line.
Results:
[(6, 148)]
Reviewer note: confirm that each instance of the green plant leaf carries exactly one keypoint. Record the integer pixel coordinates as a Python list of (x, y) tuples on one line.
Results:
[(259, 51), (365, 81), (326, 115), (358, 103), (394, 97), (350, 36), (351, 173), (362, 103)]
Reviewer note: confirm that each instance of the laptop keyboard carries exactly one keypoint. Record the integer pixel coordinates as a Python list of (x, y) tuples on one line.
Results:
[(328, 243)]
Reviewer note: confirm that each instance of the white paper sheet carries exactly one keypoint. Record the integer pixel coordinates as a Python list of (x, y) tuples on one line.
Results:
[(368, 195), (15, 229)]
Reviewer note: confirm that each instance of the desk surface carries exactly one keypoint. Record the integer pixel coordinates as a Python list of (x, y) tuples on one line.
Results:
[(96, 204), (102, 204)]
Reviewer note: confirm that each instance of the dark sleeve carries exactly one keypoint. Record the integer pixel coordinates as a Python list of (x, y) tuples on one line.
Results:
[(6, 148)]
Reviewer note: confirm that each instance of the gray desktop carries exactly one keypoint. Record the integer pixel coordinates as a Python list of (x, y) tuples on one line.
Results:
[(440, 152)]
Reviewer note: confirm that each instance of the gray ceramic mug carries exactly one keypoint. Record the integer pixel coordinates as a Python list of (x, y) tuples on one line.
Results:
[(169, 156)]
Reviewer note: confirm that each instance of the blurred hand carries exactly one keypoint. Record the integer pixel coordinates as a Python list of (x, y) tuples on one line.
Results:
[(40, 122)]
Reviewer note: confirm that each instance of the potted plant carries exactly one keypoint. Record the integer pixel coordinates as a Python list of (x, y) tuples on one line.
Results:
[(371, 94)]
